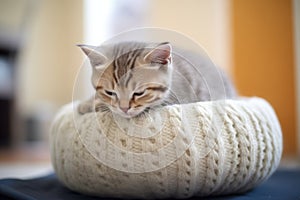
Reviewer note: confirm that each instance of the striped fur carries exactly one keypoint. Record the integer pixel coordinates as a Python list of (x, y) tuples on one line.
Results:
[(132, 77)]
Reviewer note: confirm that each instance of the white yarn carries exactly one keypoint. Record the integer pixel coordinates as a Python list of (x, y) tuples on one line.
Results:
[(178, 151)]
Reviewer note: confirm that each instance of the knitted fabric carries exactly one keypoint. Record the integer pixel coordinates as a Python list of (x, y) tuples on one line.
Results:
[(178, 151)]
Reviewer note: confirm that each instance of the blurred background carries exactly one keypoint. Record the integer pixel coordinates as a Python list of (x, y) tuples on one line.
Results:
[(256, 41)]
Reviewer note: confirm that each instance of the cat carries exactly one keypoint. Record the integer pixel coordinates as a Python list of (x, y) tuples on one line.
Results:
[(132, 77)]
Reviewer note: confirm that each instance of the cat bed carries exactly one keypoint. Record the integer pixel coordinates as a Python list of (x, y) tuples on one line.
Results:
[(178, 151)]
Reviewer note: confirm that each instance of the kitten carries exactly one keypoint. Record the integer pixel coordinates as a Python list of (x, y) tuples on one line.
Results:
[(131, 77)]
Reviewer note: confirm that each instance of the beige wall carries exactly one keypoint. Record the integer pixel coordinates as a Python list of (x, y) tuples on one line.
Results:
[(49, 60), (205, 21), (11, 22)]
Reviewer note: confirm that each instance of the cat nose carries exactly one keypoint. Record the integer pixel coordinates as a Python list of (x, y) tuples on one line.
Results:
[(124, 109)]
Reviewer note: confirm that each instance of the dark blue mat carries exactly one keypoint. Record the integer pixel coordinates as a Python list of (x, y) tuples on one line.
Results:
[(284, 184)]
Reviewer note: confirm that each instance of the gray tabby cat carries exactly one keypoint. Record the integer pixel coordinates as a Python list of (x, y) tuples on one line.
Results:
[(132, 77)]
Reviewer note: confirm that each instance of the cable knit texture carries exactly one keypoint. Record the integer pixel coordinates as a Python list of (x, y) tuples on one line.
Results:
[(178, 151)]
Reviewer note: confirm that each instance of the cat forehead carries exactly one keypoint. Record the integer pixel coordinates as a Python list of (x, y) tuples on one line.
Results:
[(127, 77), (115, 50), (145, 72)]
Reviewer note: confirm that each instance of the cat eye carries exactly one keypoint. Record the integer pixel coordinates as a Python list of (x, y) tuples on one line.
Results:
[(139, 93), (110, 93)]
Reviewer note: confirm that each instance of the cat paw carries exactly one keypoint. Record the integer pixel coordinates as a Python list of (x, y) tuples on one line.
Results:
[(84, 108)]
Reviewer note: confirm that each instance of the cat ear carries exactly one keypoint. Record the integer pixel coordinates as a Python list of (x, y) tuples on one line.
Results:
[(160, 54), (96, 58)]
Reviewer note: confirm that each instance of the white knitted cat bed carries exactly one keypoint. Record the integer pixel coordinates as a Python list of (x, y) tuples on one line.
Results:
[(178, 151)]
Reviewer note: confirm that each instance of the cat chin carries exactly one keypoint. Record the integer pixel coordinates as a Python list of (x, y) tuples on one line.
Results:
[(128, 115), (124, 115)]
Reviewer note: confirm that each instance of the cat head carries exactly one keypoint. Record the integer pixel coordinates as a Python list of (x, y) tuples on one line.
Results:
[(130, 77)]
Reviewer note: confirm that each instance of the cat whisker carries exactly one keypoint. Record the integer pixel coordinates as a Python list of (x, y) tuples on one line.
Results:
[(101, 108), (165, 103), (143, 115)]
